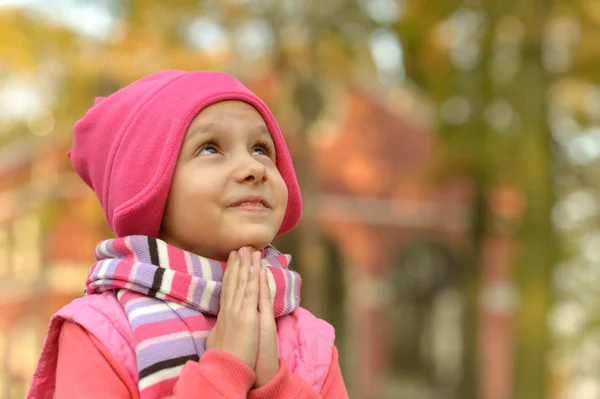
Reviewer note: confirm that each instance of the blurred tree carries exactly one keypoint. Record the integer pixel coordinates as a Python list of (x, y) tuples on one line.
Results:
[(571, 58), (537, 241), (33, 54), (447, 47)]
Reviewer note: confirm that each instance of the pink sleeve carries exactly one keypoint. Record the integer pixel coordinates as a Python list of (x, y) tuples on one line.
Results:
[(289, 386), (85, 369), (217, 375)]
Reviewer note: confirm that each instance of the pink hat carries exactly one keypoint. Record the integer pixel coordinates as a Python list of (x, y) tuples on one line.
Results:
[(126, 146)]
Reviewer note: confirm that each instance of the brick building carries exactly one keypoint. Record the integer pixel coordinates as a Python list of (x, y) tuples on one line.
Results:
[(399, 233), (403, 236)]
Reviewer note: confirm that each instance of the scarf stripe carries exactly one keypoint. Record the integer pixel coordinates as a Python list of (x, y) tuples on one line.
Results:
[(279, 299), (151, 388), (156, 281), (165, 327), (153, 355), (159, 272), (289, 280), (152, 373), (189, 268), (197, 335), (272, 286), (171, 297), (167, 364), (163, 254), (177, 260)]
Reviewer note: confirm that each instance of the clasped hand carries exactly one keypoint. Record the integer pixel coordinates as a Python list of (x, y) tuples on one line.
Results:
[(245, 325)]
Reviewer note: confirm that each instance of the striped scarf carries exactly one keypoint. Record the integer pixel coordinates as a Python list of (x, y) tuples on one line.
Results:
[(166, 293)]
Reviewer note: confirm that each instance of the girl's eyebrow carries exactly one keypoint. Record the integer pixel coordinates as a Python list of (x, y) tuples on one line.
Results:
[(200, 129), (209, 127), (263, 129)]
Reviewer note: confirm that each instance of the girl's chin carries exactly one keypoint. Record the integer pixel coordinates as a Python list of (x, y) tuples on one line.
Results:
[(255, 239)]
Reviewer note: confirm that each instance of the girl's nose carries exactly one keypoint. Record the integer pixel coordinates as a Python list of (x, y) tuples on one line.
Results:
[(251, 170)]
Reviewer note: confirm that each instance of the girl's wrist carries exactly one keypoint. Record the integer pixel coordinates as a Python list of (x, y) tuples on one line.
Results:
[(267, 376)]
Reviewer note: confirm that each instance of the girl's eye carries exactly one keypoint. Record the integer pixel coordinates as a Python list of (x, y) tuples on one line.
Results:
[(208, 149), (259, 150), (263, 148)]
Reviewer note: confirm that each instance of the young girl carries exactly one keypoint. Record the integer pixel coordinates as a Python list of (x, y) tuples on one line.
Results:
[(190, 300)]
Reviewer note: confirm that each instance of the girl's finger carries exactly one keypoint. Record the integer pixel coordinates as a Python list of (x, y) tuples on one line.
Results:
[(251, 295), (229, 279), (265, 306), (242, 278)]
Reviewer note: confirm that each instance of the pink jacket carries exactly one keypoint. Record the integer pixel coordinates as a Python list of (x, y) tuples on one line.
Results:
[(305, 343)]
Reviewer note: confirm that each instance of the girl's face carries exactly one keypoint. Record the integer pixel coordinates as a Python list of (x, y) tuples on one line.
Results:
[(226, 191)]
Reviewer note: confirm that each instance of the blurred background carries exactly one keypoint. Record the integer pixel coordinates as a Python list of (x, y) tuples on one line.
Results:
[(448, 153)]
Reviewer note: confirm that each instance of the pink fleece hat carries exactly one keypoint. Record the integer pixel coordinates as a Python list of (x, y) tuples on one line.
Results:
[(126, 146)]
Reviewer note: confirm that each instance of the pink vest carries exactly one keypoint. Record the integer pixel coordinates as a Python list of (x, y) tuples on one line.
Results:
[(305, 341)]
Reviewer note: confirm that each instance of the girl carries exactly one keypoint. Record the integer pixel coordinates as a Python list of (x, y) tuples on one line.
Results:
[(190, 300)]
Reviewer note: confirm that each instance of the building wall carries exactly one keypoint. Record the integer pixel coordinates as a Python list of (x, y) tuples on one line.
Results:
[(379, 197)]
